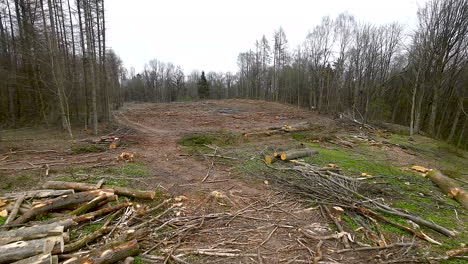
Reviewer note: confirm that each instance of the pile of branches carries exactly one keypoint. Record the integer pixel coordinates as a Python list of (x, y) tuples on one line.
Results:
[(328, 187), (66, 208)]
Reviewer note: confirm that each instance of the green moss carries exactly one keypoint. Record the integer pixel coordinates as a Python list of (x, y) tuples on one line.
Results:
[(137, 260), (88, 149), (3, 220), (84, 230)]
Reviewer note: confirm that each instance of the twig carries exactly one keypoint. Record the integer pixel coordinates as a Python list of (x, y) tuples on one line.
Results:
[(211, 166), (268, 237), (15, 209), (318, 252), (375, 248)]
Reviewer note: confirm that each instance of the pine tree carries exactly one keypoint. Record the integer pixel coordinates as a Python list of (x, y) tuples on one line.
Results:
[(203, 87)]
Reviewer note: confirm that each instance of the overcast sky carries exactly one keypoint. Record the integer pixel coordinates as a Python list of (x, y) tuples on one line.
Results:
[(209, 34)]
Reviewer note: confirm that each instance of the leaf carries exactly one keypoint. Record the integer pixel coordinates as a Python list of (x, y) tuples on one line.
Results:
[(4, 213)]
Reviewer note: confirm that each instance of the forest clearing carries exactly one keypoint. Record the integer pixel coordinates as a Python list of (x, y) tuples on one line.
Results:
[(188, 183)]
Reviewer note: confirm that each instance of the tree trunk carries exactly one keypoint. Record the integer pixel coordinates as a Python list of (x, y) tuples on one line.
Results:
[(449, 187), (24, 249), (60, 202)]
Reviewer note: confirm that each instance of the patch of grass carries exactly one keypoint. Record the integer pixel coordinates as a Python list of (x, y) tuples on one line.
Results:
[(129, 170), (350, 222), (137, 260), (84, 230), (10, 182), (219, 138), (88, 149), (3, 220)]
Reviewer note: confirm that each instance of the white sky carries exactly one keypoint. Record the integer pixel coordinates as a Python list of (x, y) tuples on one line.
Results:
[(209, 34)]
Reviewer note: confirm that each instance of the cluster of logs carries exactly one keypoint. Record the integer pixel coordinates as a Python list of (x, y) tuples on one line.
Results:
[(290, 155), (67, 207)]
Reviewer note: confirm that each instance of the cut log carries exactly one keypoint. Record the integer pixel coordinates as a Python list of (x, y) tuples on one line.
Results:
[(449, 187), (59, 202), (300, 153), (89, 205), (78, 186), (34, 232), (25, 249), (115, 143), (457, 252), (129, 260), (104, 211), (39, 259), (15, 209), (37, 194), (270, 159), (108, 254)]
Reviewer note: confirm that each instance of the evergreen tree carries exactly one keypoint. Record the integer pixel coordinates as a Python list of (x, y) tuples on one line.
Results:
[(203, 87)]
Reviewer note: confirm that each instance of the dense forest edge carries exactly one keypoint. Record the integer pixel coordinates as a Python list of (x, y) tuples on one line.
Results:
[(59, 71)]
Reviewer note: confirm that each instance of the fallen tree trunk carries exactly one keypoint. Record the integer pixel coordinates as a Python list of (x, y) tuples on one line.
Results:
[(92, 215), (37, 194), (300, 153), (108, 254), (57, 203), (78, 186), (25, 249), (89, 205), (35, 232), (449, 187), (39, 259)]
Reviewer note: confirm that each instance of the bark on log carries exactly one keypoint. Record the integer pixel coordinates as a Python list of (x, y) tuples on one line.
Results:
[(300, 153), (37, 194), (108, 254), (30, 233), (78, 186), (129, 260), (457, 252), (39, 259), (57, 203), (15, 209), (449, 187), (89, 205), (92, 215), (25, 249)]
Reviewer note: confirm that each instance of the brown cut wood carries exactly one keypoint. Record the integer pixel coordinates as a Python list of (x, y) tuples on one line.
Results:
[(449, 187)]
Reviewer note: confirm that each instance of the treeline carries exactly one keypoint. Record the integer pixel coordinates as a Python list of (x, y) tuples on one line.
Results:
[(55, 67), (372, 73)]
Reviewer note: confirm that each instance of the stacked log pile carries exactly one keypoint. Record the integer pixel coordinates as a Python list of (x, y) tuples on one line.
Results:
[(69, 206)]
